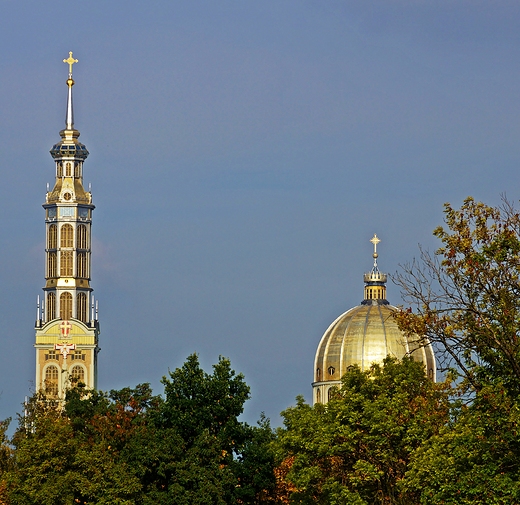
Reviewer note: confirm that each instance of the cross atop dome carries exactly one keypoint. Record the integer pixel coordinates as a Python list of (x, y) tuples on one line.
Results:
[(375, 240), (70, 60)]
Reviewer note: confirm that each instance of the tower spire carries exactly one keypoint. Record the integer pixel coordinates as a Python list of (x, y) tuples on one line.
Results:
[(69, 120)]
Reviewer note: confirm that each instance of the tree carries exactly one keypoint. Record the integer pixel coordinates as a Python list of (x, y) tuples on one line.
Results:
[(131, 447), (475, 458), (467, 295), (213, 452), (5, 459), (71, 453), (356, 449), (466, 298)]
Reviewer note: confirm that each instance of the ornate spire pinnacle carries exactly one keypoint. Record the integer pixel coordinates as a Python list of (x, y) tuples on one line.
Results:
[(375, 281), (375, 240), (69, 120)]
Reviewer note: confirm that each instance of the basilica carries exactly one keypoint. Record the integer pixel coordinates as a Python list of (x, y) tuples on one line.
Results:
[(67, 326), (364, 335)]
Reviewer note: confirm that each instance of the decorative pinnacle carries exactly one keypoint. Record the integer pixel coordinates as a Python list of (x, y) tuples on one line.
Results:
[(70, 60), (375, 240), (69, 119)]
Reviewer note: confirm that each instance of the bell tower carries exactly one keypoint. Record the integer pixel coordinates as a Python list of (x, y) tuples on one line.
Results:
[(67, 327)]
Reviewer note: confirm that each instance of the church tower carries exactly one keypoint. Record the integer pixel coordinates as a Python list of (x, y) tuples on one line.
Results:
[(67, 327)]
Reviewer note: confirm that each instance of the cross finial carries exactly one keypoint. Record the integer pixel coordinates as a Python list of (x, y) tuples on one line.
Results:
[(375, 240), (70, 60)]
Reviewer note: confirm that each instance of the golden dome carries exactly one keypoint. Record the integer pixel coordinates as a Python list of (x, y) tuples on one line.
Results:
[(364, 335)]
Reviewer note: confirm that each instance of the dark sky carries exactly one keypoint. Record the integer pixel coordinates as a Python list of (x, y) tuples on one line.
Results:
[(242, 156)]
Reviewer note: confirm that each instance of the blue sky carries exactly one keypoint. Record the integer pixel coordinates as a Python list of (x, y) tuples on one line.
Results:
[(242, 156)]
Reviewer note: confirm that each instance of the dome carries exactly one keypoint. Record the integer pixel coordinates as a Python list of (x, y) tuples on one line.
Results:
[(364, 335)]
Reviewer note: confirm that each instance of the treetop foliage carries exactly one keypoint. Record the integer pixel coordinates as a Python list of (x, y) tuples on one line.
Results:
[(131, 447), (466, 297)]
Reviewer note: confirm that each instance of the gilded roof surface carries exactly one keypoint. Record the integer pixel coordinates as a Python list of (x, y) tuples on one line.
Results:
[(364, 335)]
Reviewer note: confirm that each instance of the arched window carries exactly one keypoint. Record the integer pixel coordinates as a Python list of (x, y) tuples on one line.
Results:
[(82, 236), (65, 306), (81, 307), (51, 265), (78, 373), (66, 263), (318, 374), (318, 396), (68, 170), (329, 394), (53, 237), (51, 380), (81, 266), (77, 171), (331, 370), (59, 170), (51, 306), (67, 235)]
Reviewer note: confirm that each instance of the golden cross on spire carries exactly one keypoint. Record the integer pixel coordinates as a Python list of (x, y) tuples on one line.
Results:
[(375, 240), (70, 60)]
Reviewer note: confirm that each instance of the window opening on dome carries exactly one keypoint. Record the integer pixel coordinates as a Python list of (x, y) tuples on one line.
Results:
[(318, 374), (331, 370)]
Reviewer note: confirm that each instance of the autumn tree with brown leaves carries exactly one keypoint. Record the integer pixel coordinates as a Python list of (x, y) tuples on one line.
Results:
[(465, 298)]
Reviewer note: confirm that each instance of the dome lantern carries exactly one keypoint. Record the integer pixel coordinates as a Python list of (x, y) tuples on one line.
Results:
[(375, 281)]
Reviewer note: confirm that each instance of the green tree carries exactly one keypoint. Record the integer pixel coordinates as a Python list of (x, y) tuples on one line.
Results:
[(6, 459), (466, 297), (131, 447), (475, 458), (356, 449), (71, 453), (202, 453)]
